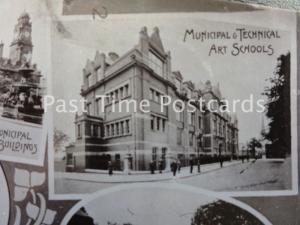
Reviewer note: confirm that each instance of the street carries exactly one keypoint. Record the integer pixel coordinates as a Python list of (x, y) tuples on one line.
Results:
[(234, 176), (257, 176)]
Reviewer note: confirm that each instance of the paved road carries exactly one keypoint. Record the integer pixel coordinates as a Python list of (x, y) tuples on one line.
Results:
[(258, 175)]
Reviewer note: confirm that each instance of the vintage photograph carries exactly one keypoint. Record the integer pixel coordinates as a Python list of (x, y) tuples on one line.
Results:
[(21, 83), (24, 66), (161, 205), (207, 103)]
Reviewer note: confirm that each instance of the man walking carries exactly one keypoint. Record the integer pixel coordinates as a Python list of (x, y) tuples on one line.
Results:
[(160, 166), (152, 167), (191, 165), (174, 168), (110, 168)]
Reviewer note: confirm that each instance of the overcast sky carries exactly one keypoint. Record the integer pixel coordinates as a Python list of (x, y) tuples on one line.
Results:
[(238, 76)]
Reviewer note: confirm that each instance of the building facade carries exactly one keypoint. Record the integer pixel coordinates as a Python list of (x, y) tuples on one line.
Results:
[(117, 134), (21, 90)]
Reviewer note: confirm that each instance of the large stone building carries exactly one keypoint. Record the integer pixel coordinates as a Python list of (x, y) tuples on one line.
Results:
[(145, 72), (20, 89)]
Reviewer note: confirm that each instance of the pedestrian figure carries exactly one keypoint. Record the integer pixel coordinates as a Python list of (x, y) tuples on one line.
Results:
[(191, 165), (160, 166), (110, 168), (178, 165), (174, 168), (152, 167), (198, 164), (221, 161)]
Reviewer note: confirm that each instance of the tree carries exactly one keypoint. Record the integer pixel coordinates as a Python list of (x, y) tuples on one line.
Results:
[(252, 145), (278, 109), (224, 213), (60, 139)]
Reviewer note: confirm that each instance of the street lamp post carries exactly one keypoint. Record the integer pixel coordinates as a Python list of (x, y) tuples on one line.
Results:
[(199, 145)]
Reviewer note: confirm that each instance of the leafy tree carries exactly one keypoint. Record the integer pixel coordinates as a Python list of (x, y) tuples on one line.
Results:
[(278, 109), (223, 213), (60, 138), (252, 145)]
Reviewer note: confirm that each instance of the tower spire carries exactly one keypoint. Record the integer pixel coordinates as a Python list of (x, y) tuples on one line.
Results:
[(21, 46)]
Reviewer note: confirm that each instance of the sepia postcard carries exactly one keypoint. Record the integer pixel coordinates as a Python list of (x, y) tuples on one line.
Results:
[(157, 112), (208, 102)]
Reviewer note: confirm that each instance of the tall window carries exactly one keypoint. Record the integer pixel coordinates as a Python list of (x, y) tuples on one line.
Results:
[(207, 124), (191, 118), (179, 114), (152, 93), (121, 92), (157, 97), (152, 122), (94, 130), (78, 130), (207, 142), (107, 131), (126, 93), (117, 94), (127, 127), (117, 128), (191, 138), (158, 123), (179, 136), (122, 128), (156, 63), (99, 107), (154, 153), (112, 127), (163, 125), (199, 122)]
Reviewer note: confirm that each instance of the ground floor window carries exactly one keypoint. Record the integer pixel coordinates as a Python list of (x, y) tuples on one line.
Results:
[(70, 160), (154, 154)]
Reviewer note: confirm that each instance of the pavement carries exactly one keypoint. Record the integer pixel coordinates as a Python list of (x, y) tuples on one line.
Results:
[(259, 175), (262, 174), (119, 177)]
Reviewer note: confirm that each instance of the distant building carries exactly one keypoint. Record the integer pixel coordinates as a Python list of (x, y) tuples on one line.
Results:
[(145, 72), (220, 128)]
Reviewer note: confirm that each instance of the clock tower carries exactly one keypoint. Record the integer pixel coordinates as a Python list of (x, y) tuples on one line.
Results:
[(21, 46)]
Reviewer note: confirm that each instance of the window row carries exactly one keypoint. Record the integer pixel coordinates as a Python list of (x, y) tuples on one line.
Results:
[(95, 130), (156, 95), (191, 118), (158, 123), (118, 94), (118, 128), (179, 137), (155, 153)]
